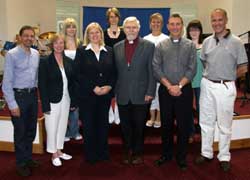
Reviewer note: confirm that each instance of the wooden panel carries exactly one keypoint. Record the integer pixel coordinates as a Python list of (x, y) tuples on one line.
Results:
[(235, 144), (37, 148)]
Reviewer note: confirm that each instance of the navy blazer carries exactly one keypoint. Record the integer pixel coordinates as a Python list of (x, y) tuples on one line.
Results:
[(91, 73), (50, 82)]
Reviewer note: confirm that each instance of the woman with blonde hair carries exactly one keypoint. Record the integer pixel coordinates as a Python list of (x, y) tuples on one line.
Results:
[(71, 44), (56, 87), (95, 76), (156, 36)]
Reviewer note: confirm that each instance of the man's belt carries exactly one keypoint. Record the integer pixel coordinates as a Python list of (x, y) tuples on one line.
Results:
[(25, 90)]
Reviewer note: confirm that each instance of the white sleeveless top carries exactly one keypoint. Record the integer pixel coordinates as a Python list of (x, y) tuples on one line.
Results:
[(70, 53)]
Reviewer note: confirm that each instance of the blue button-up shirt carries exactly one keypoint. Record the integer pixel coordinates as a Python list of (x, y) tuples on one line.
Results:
[(20, 71)]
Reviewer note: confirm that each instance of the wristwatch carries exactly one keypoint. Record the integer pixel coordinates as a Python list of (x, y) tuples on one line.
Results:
[(180, 86)]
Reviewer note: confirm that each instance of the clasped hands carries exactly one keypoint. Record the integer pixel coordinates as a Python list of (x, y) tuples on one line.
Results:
[(174, 90), (102, 90)]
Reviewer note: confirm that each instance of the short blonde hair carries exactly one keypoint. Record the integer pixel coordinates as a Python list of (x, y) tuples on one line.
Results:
[(68, 22), (93, 25), (157, 16), (131, 19), (54, 38)]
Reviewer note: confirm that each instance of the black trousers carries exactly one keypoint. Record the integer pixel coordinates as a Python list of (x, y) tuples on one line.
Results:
[(179, 108), (25, 126), (133, 118), (94, 115)]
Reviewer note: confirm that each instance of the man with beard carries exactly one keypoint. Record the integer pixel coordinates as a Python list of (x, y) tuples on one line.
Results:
[(135, 88)]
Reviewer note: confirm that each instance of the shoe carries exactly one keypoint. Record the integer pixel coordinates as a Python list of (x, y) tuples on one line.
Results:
[(33, 164), (56, 162), (197, 129), (126, 158), (150, 123), (23, 171), (157, 124), (201, 160), (225, 166), (182, 165), (190, 140), (65, 156), (137, 160), (78, 137), (162, 160), (66, 139)]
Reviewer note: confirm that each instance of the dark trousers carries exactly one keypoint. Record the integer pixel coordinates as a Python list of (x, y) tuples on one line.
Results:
[(181, 109), (197, 106), (133, 118), (94, 115), (25, 126)]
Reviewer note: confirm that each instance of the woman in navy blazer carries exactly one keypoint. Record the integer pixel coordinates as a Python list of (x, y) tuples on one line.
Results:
[(95, 75), (56, 86)]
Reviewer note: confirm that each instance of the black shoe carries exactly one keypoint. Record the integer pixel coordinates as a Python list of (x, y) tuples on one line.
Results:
[(197, 129), (23, 171), (182, 165), (33, 164), (201, 160), (137, 160), (162, 160), (225, 166)]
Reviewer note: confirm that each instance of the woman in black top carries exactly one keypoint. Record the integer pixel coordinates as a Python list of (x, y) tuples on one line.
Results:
[(95, 76), (114, 33)]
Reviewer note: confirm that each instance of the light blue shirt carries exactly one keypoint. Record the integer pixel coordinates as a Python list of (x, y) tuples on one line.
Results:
[(20, 71)]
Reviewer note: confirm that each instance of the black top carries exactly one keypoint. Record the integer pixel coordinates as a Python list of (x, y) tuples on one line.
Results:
[(112, 41), (50, 82), (90, 72)]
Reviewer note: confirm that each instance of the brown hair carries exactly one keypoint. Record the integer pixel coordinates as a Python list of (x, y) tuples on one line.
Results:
[(195, 24), (26, 27), (176, 16), (113, 10)]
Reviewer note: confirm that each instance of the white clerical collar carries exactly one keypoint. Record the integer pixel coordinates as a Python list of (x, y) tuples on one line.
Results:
[(89, 46), (175, 40)]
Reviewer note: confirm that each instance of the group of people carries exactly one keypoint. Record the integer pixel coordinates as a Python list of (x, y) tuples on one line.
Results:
[(79, 80)]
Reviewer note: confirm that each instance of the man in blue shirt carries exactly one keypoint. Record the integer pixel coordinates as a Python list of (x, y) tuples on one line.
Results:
[(20, 91)]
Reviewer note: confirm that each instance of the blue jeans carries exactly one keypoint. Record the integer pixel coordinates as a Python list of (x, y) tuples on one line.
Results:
[(25, 126), (73, 127)]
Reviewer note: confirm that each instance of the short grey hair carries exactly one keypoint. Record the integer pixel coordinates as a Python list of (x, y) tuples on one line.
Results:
[(131, 19)]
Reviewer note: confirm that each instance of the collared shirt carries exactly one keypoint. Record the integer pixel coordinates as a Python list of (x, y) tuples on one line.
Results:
[(20, 71), (97, 54), (222, 56), (175, 60), (130, 49)]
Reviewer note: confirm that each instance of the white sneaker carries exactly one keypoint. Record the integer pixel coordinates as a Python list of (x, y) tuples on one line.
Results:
[(157, 124), (150, 123), (66, 139), (78, 137), (65, 156), (56, 162)]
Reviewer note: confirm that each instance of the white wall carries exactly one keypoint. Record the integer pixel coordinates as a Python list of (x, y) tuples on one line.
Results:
[(204, 10), (241, 18), (16, 13), (3, 28)]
